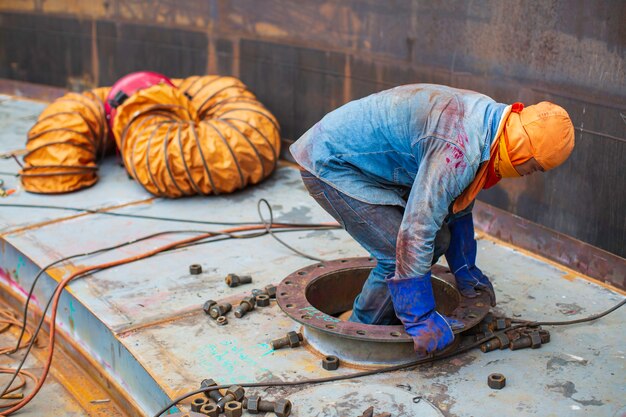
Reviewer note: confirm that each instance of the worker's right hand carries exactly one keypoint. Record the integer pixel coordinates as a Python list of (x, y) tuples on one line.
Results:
[(414, 303)]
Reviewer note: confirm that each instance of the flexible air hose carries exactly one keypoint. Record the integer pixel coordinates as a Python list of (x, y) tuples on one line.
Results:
[(64, 144), (208, 136)]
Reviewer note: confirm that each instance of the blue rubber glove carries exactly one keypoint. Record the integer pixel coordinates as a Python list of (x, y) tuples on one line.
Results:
[(414, 303), (461, 257)]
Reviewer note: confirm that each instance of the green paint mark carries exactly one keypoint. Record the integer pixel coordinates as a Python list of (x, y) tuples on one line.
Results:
[(72, 311), (234, 360), (20, 263), (266, 347), (316, 314)]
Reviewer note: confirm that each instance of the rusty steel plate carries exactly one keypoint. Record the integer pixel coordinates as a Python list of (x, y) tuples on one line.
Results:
[(316, 295)]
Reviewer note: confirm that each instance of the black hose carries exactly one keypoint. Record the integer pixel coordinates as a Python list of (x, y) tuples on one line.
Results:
[(219, 236), (167, 219), (268, 228), (384, 370)]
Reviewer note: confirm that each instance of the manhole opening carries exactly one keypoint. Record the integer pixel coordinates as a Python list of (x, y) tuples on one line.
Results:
[(334, 293)]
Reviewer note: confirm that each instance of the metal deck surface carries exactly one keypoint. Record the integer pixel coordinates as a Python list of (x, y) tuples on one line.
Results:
[(56, 400), (143, 322)]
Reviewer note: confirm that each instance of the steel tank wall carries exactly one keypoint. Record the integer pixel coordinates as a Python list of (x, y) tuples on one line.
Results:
[(305, 58)]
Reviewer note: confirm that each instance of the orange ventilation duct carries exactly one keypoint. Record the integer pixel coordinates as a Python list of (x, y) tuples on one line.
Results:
[(63, 146), (208, 136)]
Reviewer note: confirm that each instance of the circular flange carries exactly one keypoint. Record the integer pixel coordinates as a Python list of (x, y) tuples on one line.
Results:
[(315, 295)]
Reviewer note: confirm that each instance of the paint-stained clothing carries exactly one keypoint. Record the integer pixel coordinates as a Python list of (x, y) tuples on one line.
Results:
[(425, 141)]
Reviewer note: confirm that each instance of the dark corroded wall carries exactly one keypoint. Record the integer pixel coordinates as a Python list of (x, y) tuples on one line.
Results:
[(304, 58)]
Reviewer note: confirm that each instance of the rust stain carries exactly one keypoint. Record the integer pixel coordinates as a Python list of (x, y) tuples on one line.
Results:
[(569, 275), (181, 316), (236, 54), (550, 246), (59, 273), (77, 378), (269, 30), (21, 6), (314, 366), (80, 385), (32, 92), (62, 219), (347, 83), (212, 56), (40, 224), (77, 7), (236, 18), (95, 63)]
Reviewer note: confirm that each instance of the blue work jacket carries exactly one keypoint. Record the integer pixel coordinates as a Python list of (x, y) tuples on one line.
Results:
[(422, 140)]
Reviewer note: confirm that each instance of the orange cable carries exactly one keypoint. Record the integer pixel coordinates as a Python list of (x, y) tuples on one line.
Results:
[(62, 284), (8, 319), (22, 374)]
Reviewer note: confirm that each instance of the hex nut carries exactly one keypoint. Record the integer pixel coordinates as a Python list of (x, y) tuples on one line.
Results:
[(195, 269), (294, 339), (262, 300), (496, 381), (221, 321), (521, 342), (237, 391), (245, 305), (214, 395), (490, 345), (249, 300), (219, 310), (256, 292), (206, 307), (215, 312), (251, 403), (504, 340), (282, 408), (197, 403), (233, 409), (210, 410), (234, 280), (209, 382), (489, 317), (330, 363), (535, 340), (270, 290), (500, 323)]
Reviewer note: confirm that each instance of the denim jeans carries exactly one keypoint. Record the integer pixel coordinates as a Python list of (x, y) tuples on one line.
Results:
[(376, 228)]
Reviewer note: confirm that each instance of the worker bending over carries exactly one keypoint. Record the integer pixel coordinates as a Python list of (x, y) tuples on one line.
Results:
[(400, 170)]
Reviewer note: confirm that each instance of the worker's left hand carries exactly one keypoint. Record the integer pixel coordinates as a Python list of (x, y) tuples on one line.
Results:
[(414, 303), (461, 257)]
